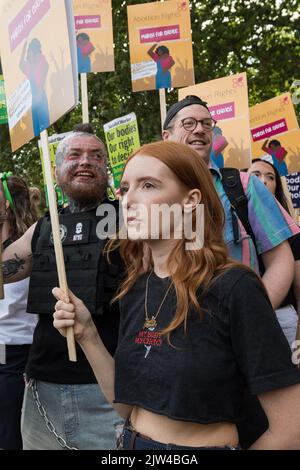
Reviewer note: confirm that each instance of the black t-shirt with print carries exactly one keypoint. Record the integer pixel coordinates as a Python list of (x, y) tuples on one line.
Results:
[(202, 377)]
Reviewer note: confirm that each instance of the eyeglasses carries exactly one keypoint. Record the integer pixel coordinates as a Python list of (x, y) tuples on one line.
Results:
[(190, 124)]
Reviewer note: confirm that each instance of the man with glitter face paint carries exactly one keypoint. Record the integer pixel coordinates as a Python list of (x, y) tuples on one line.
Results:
[(63, 405)]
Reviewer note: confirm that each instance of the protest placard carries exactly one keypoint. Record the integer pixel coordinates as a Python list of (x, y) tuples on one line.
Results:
[(122, 138), (39, 62), (227, 99), (293, 184), (160, 42), (38, 54), (275, 131), (94, 35)]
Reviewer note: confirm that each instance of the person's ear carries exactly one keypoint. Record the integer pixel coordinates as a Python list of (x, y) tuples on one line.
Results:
[(193, 198), (166, 134), (6, 204)]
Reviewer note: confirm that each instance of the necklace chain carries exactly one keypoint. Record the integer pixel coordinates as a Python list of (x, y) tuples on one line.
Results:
[(151, 322)]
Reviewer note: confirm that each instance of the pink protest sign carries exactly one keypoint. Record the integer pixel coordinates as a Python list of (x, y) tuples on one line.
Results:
[(26, 20), (162, 33), (269, 130), (87, 22), (222, 111)]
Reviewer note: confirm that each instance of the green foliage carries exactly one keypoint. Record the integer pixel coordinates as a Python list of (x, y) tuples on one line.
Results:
[(229, 36)]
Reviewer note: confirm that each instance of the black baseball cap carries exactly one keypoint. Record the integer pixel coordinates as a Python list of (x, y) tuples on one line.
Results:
[(175, 108)]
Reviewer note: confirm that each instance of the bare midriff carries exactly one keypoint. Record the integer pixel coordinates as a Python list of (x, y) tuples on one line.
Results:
[(183, 433)]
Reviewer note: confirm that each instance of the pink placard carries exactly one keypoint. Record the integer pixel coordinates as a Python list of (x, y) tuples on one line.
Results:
[(162, 33), (222, 111), (268, 130), (88, 22), (26, 20)]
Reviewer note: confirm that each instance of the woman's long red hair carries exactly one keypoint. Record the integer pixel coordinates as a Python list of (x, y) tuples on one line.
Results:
[(189, 268)]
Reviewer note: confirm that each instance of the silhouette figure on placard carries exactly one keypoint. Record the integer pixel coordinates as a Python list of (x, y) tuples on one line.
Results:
[(219, 143), (238, 156), (293, 160), (278, 154), (84, 50), (164, 62), (35, 67), (183, 75), (102, 61), (59, 71)]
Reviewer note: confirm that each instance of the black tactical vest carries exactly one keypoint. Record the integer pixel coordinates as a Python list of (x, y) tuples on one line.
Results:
[(89, 275)]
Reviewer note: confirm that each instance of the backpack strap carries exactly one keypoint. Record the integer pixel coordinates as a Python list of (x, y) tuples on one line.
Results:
[(234, 190)]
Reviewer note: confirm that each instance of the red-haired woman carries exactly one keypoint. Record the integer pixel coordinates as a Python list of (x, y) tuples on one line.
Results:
[(197, 329)]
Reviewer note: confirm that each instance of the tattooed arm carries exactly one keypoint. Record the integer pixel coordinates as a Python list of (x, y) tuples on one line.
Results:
[(17, 258)]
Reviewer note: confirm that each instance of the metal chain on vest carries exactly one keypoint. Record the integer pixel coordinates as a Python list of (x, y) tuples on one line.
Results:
[(50, 426)]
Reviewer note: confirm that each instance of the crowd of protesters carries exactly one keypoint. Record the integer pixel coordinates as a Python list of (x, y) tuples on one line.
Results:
[(178, 342)]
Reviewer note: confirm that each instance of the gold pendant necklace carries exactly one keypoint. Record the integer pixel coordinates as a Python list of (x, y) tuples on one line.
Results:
[(151, 323)]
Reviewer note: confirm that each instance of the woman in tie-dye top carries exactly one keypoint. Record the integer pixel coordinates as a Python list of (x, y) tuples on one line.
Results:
[(270, 223), (289, 310)]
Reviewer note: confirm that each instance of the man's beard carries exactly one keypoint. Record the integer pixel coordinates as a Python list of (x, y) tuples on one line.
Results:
[(85, 193)]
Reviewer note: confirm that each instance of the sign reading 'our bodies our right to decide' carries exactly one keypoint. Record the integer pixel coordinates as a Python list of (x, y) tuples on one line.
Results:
[(122, 138), (293, 183)]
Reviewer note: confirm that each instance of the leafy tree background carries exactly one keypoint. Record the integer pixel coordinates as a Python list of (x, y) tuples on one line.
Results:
[(229, 36)]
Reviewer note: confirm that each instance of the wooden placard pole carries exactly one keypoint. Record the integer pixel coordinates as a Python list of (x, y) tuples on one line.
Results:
[(56, 235), (162, 103), (84, 98), (163, 106)]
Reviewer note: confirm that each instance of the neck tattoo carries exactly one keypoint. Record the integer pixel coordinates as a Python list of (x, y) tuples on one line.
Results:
[(76, 206)]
